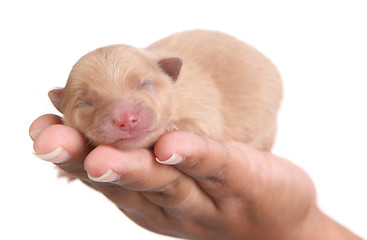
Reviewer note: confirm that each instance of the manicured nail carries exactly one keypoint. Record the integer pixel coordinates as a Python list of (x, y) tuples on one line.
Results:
[(109, 176), (34, 133), (174, 159), (59, 155)]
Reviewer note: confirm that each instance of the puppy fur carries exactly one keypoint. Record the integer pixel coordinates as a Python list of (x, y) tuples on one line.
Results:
[(204, 82)]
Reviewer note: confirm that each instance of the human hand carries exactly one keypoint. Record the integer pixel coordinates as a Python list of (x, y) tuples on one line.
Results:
[(211, 190)]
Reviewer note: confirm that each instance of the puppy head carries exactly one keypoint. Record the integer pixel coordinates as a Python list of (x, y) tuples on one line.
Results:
[(119, 96)]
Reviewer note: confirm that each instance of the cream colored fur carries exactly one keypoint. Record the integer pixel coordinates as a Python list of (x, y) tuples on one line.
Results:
[(226, 89)]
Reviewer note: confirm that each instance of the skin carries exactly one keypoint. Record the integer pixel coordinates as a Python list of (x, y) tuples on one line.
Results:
[(215, 190)]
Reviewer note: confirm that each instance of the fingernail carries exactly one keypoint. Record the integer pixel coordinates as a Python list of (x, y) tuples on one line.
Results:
[(109, 176), (34, 133), (174, 159), (59, 155)]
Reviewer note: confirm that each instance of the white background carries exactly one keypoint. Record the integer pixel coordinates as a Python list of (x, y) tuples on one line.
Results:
[(319, 47)]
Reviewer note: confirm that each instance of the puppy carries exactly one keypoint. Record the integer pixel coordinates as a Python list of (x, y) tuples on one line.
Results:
[(204, 82)]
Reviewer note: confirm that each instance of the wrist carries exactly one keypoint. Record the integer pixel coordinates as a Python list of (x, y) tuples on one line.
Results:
[(318, 226)]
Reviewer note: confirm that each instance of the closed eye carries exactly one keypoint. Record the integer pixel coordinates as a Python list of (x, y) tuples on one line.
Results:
[(147, 84), (84, 104)]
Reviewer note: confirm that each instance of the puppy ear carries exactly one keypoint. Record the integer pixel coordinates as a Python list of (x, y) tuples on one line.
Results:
[(56, 96), (171, 66)]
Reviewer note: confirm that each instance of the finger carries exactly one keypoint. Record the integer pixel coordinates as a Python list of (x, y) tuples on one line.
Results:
[(62, 145), (138, 171), (221, 169), (42, 122), (128, 168)]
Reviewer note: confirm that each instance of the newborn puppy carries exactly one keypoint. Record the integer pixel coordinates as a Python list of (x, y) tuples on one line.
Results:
[(199, 81)]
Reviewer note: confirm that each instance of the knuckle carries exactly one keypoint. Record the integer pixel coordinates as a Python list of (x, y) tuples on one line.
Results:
[(219, 175), (171, 194), (219, 178)]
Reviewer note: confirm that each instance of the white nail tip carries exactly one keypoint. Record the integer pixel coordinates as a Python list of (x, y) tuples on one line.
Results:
[(34, 133), (59, 155), (109, 176), (174, 159)]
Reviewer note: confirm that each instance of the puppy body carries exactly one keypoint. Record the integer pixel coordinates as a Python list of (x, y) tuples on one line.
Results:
[(200, 81)]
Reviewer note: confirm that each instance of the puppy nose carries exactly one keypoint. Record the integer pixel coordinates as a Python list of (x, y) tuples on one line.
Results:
[(126, 121)]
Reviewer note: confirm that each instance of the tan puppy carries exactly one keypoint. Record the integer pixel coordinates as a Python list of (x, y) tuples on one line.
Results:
[(200, 81)]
